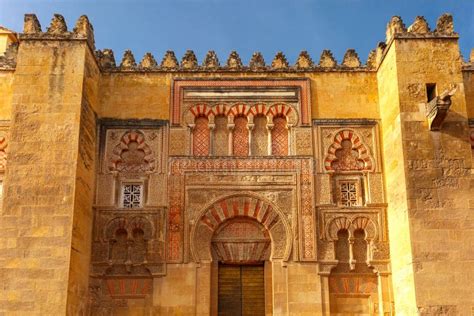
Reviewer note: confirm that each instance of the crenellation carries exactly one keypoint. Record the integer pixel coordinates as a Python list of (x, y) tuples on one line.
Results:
[(128, 61), (84, 29), (304, 61), (31, 25), (169, 61), (327, 60), (371, 60), (419, 26), (211, 61), (106, 59), (279, 62), (234, 62), (189, 60), (394, 26), (148, 62), (257, 62), (445, 25), (58, 25), (351, 59)]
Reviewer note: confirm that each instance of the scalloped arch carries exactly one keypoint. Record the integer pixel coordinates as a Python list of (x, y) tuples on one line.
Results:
[(364, 156)]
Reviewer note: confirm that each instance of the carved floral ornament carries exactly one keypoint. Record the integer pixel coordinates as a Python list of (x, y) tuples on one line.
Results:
[(348, 153), (241, 109), (132, 154)]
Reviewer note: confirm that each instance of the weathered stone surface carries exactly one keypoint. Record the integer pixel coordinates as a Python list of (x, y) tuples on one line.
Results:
[(327, 59), (125, 186)]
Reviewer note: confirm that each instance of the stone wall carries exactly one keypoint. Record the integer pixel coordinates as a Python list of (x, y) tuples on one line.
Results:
[(363, 190)]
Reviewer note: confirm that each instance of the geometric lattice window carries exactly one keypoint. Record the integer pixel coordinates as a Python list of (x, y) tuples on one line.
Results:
[(279, 137), (132, 195), (348, 193), (201, 137)]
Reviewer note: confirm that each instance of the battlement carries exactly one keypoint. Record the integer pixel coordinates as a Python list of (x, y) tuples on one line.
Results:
[(83, 30)]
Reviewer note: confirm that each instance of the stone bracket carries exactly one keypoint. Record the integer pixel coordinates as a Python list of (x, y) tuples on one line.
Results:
[(437, 109)]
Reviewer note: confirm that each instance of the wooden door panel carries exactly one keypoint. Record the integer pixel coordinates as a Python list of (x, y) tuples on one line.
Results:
[(229, 291), (241, 290), (253, 291)]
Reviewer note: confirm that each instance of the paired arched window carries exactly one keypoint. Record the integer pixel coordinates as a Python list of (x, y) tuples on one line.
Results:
[(279, 136)]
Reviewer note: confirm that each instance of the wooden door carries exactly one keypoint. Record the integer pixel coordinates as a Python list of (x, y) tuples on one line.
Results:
[(241, 290)]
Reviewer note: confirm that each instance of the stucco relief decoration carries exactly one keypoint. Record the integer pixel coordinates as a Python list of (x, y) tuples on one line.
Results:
[(351, 224), (132, 154), (348, 153), (206, 224), (128, 244), (225, 211)]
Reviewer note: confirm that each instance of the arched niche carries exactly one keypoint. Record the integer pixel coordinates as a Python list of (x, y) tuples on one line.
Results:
[(241, 207)]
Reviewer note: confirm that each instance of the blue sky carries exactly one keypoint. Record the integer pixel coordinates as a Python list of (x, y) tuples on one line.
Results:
[(243, 25)]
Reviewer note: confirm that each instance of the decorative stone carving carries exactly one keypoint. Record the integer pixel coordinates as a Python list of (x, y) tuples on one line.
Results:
[(279, 62), (148, 61), (201, 137), (445, 25), (304, 61), (241, 240), (279, 136), (419, 26), (324, 188), (31, 25), (372, 60), (128, 243), (351, 59), (128, 61), (351, 224), (169, 61), (181, 167), (303, 142), (58, 25), (437, 109), (376, 188), (394, 26), (234, 62), (250, 207), (211, 61), (189, 60), (178, 142), (131, 152), (348, 153), (257, 62), (327, 59)]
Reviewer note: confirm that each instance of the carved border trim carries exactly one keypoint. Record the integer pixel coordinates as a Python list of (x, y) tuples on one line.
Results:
[(179, 85), (179, 166)]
